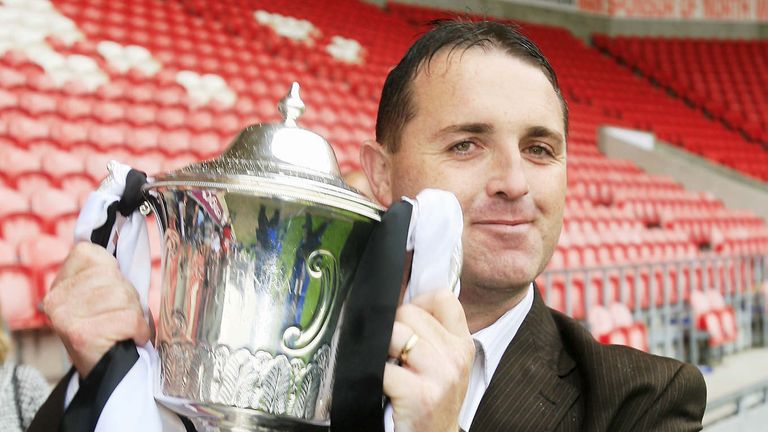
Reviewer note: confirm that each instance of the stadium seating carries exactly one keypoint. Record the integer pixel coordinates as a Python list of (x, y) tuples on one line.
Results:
[(19, 298), (615, 325), (713, 317), (726, 79), (7, 254), (160, 84)]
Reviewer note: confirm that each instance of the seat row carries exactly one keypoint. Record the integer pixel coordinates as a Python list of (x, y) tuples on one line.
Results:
[(724, 77)]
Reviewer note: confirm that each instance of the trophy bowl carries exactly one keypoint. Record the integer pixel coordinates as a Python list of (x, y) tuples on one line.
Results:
[(259, 249)]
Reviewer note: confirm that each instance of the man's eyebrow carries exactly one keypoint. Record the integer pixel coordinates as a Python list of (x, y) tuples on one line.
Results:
[(473, 128), (543, 132)]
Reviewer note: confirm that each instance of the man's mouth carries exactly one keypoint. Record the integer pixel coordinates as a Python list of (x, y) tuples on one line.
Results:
[(503, 228), (503, 222)]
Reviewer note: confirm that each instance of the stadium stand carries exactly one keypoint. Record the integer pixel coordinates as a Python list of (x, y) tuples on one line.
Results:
[(160, 84), (725, 79)]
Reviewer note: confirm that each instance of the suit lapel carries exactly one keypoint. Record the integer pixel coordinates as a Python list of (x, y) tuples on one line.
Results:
[(527, 391)]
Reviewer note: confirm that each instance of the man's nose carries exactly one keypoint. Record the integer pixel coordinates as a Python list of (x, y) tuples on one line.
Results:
[(507, 175)]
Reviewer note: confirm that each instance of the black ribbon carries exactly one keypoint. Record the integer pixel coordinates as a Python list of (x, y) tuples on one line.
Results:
[(132, 195), (367, 329), (128, 203), (83, 412), (49, 415)]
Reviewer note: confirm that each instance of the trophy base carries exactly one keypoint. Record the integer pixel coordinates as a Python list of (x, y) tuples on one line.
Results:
[(231, 419)]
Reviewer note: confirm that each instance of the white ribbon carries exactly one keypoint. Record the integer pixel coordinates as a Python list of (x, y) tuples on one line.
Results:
[(436, 226), (131, 406), (133, 255), (434, 236)]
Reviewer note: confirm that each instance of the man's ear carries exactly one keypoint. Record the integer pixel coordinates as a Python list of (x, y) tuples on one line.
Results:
[(375, 161)]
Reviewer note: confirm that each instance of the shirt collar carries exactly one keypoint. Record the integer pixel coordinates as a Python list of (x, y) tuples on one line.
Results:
[(492, 341)]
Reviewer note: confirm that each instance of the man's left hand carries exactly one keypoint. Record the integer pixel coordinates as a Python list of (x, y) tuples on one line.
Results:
[(428, 388)]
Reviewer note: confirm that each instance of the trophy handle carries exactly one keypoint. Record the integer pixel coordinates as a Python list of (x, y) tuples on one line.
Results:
[(322, 265)]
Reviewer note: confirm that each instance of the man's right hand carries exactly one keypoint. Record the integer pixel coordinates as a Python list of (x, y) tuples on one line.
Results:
[(92, 306)]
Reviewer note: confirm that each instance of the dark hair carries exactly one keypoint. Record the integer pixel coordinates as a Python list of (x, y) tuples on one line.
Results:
[(396, 107)]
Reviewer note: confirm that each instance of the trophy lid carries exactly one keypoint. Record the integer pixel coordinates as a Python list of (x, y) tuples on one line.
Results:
[(282, 160)]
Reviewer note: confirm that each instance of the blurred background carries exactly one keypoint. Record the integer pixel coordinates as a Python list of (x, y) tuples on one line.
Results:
[(665, 241)]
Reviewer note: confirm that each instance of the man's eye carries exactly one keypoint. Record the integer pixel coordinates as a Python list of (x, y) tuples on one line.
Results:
[(462, 147), (539, 151)]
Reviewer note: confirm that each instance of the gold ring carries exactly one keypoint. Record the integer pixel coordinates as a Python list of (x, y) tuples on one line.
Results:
[(403, 357)]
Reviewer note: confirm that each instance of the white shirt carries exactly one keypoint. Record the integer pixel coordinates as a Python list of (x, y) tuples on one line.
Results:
[(490, 344)]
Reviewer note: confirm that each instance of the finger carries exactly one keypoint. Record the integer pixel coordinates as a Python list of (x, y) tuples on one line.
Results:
[(89, 340), (82, 256), (422, 323), (92, 290), (111, 294), (71, 321), (434, 345), (93, 336), (105, 299), (142, 332), (401, 333), (446, 308), (398, 381), (121, 325)]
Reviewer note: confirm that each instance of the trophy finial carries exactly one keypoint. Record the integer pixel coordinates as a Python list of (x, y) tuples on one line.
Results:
[(291, 107)]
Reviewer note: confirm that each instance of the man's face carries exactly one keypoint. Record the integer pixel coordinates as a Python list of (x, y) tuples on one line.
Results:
[(489, 128)]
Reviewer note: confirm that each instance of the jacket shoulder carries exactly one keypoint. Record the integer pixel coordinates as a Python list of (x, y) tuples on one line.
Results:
[(631, 386)]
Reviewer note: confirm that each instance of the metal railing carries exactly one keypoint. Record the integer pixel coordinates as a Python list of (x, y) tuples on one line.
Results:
[(658, 294), (737, 404)]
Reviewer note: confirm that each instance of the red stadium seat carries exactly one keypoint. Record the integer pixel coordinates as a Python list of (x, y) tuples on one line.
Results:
[(679, 66), (18, 227), (53, 205), (13, 202), (19, 298), (714, 317), (600, 323), (554, 294), (7, 254), (42, 252), (60, 164), (635, 332)]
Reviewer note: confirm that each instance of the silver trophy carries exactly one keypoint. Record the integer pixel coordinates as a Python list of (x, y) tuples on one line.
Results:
[(259, 249)]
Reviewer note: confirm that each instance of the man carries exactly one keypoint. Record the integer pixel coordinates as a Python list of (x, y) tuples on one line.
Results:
[(475, 109)]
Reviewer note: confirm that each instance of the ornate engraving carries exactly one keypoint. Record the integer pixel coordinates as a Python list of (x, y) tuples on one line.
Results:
[(262, 381), (275, 386), (322, 265), (307, 390)]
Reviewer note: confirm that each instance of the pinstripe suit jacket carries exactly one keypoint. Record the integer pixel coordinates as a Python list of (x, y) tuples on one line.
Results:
[(555, 377)]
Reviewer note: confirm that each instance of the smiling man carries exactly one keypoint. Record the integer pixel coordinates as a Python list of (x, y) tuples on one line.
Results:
[(489, 127), (475, 109)]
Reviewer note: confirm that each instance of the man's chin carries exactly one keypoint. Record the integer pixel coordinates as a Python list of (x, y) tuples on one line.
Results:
[(504, 280)]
